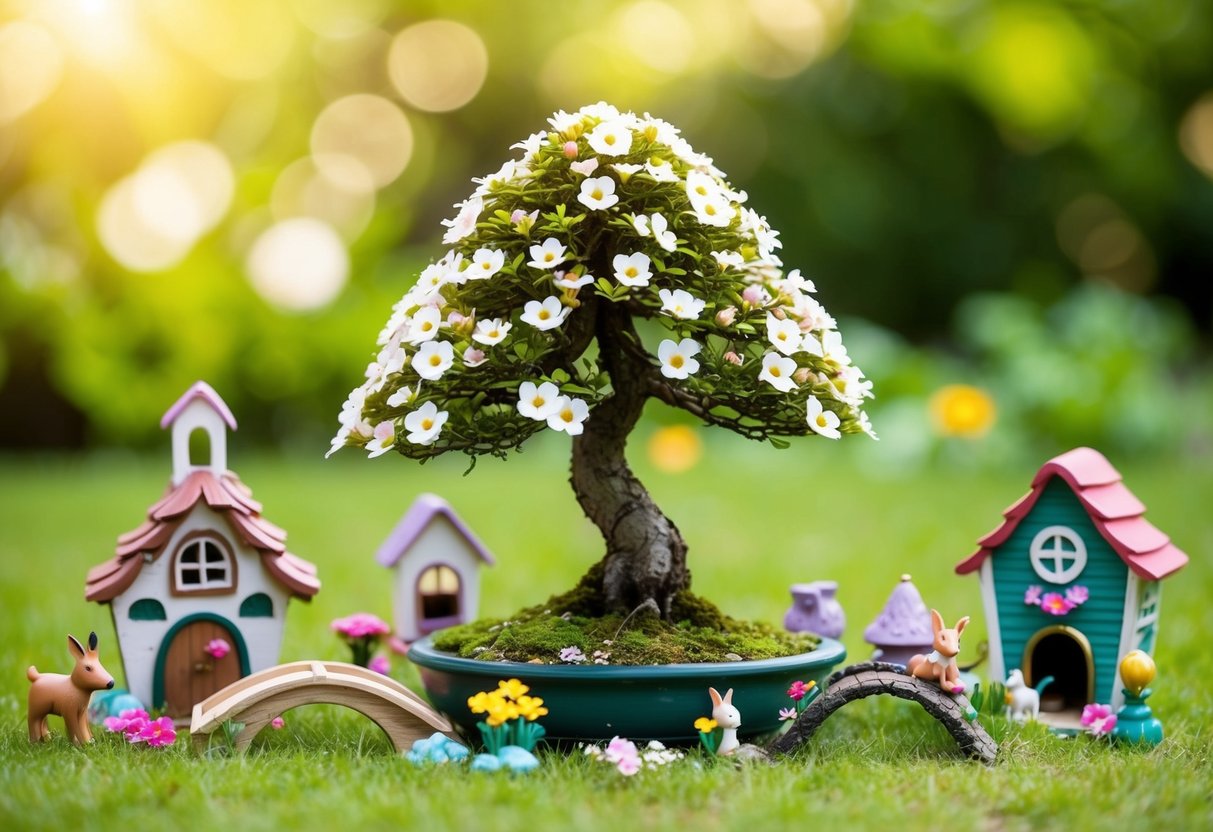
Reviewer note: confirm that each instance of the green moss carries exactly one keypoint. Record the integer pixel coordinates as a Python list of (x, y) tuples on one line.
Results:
[(699, 632)]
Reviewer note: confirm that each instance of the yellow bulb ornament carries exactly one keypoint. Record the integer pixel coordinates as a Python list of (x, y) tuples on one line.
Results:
[(1137, 671)]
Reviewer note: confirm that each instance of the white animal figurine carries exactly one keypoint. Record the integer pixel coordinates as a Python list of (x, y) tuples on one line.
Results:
[(728, 718), (1023, 702)]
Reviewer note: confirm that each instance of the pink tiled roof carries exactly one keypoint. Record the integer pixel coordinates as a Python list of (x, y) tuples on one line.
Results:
[(1116, 513), (228, 496), (199, 390)]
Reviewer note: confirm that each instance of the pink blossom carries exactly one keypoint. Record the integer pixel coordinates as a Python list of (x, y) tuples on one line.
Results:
[(157, 733), (277, 723), (1055, 604), (473, 357), (755, 295), (798, 690), (624, 755), (380, 664), (572, 654), (217, 648), (1098, 719), (361, 625), (726, 316), (732, 358), (570, 150), (628, 766), (786, 713), (1077, 595), (1032, 595), (127, 722)]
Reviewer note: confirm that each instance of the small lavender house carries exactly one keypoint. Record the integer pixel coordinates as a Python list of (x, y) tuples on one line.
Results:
[(1071, 582), (436, 559)]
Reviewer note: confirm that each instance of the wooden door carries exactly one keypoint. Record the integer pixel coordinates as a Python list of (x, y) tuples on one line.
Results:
[(190, 674)]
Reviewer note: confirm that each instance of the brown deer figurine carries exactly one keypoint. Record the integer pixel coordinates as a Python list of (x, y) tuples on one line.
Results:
[(940, 664), (67, 696)]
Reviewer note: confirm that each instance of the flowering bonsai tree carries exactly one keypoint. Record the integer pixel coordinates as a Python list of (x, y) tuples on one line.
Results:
[(608, 265)]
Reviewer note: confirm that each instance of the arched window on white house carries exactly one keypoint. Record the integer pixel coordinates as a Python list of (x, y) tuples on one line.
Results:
[(203, 564), (1058, 554)]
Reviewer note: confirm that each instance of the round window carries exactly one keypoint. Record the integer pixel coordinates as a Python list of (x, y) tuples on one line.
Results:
[(1058, 554)]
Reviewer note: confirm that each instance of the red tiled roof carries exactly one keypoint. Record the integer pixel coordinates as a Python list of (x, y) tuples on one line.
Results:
[(1116, 513), (228, 496)]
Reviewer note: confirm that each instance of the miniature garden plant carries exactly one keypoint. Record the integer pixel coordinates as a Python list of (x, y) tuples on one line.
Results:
[(510, 716), (362, 631), (608, 265)]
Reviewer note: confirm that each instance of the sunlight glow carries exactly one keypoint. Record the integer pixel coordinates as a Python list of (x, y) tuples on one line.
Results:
[(338, 190), (438, 65), (31, 63), (299, 264), (367, 128)]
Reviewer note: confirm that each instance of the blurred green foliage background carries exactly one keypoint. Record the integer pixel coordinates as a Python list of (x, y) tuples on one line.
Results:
[(1009, 204)]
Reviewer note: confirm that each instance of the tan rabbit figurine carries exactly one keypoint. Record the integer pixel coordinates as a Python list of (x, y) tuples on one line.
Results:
[(728, 718), (67, 695), (940, 664)]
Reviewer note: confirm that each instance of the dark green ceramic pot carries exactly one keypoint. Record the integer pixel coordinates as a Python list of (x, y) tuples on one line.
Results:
[(650, 702)]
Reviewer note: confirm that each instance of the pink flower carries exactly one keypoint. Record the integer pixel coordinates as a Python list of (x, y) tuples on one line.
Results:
[(1077, 595), (380, 664), (1098, 719), (277, 723), (572, 654), (157, 733), (798, 690), (217, 648), (1032, 595), (1054, 604), (361, 625), (127, 722), (755, 295), (570, 150), (732, 358), (726, 316), (786, 713), (628, 766), (624, 755)]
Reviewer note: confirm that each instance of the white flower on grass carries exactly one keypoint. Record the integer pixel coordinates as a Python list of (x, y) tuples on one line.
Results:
[(598, 193), (585, 167), (572, 280), (778, 371), (665, 238), (400, 398), (382, 440), (569, 416), (433, 359), (424, 324), (632, 269), (424, 424), (473, 357), (491, 331), (485, 263), (538, 402), (464, 222), (784, 334), (610, 138), (727, 259), (823, 422), (680, 303), (547, 255), (678, 357), (545, 314)]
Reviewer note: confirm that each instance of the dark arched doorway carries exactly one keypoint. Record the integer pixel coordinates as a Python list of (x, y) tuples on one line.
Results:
[(1065, 654)]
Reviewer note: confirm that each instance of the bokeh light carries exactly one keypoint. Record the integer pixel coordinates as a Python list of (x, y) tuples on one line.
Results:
[(340, 191), (345, 19), (30, 66), (366, 128), (788, 35), (675, 449), (299, 264), (962, 410), (150, 220), (657, 34), (1196, 134), (237, 39), (438, 65)]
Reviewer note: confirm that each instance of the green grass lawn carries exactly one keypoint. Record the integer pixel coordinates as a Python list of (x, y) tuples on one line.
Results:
[(756, 519)]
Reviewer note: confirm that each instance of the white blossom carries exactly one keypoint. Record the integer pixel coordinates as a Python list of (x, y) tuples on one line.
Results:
[(486, 262), (546, 314), (538, 402), (665, 238), (585, 167), (728, 259), (777, 371), (610, 138), (400, 398), (679, 303), (433, 359), (632, 269), (547, 255), (572, 280), (424, 324), (661, 170), (598, 193), (424, 424), (473, 357), (569, 416), (382, 440), (464, 222), (822, 421), (784, 335), (491, 331), (678, 357)]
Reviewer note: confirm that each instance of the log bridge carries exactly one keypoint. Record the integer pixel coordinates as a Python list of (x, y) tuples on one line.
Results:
[(860, 681)]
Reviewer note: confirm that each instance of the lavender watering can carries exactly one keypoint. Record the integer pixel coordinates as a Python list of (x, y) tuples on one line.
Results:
[(815, 610)]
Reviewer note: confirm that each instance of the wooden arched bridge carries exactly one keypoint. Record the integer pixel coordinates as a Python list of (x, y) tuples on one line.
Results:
[(860, 681), (255, 700)]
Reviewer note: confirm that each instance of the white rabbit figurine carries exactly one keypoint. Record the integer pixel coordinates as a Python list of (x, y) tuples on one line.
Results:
[(728, 718)]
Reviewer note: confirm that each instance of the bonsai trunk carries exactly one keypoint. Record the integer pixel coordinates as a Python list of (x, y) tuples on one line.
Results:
[(645, 562)]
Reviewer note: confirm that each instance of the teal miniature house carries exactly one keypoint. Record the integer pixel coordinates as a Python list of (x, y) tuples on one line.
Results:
[(1071, 582)]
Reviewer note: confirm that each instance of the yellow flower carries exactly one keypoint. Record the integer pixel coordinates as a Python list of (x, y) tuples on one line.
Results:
[(511, 689), (962, 410), (1137, 671), (531, 707), (705, 725), (479, 703)]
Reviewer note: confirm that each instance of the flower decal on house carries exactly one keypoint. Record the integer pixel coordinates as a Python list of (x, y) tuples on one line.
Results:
[(1056, 603)]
